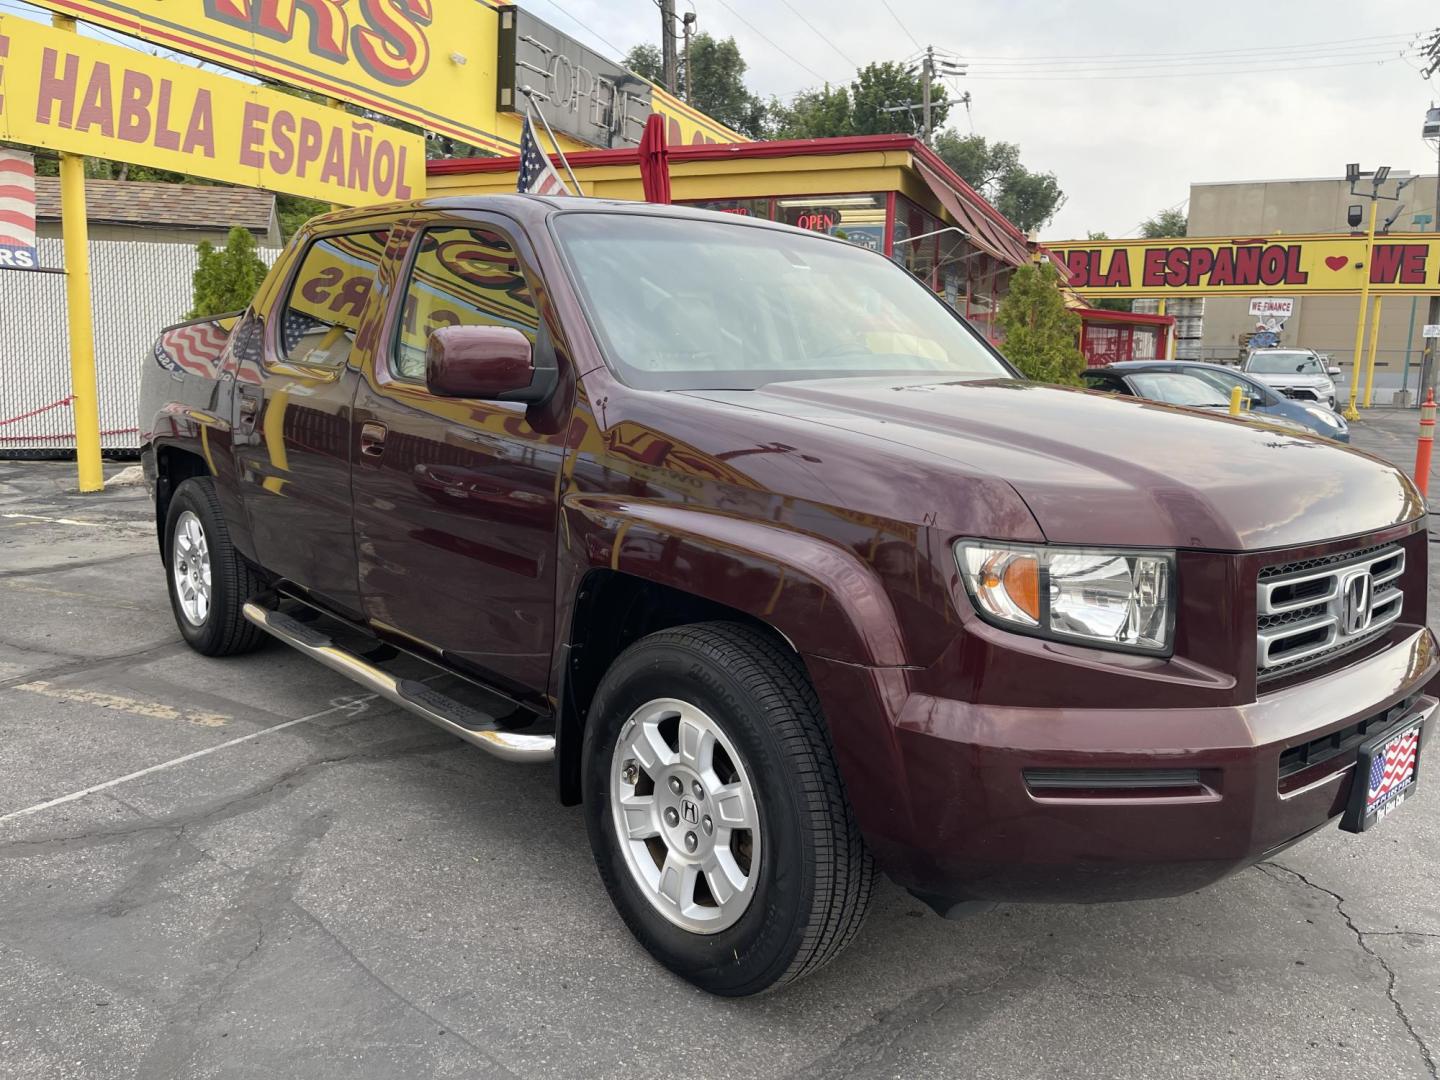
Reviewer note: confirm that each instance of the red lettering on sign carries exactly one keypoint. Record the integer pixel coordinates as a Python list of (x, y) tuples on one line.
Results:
[(333, 171), (200, 131), (311, 138), (1118, 274), (1247, 266), (1223, 272), (1404, 263), (97, 109), (1201, 262), (252, 134), (328, 24), (57, 89), (1152, 272), (282, 133), (393, 47), (166, 137), (1177, 260), (384, 174), (136, 90), (1293, 274), (402, 189), (361, 143)]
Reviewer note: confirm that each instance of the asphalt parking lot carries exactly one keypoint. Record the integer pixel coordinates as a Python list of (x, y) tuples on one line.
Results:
[(249, 868)]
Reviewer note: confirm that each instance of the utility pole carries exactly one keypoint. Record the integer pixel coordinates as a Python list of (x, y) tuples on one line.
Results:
[(927, 74), (687, 25), (667, 43)]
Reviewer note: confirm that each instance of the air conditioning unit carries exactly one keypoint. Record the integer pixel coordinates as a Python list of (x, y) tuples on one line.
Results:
[(1432, 124)]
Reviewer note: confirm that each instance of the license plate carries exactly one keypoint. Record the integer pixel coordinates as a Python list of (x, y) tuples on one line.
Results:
[(1385, 776)]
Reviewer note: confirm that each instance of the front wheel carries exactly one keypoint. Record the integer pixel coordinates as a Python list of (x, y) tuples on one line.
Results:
[(716, 812), (209, 581)]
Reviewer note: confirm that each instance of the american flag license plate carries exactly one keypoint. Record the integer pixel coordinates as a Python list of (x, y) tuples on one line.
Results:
[(1385, 776)]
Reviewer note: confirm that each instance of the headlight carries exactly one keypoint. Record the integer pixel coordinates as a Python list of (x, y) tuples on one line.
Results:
[(1109, 599), (1326, 417)]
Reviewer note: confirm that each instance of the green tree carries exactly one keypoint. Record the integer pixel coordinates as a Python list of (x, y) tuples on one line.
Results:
[(811, 114), (888, 85), (993, 168), (1164, 225), (1041, 334), (227, 278), (715, 79), (294, 210)]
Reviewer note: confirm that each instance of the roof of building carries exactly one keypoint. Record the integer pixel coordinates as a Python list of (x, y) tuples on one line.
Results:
[(184, 206), (1001, 232)]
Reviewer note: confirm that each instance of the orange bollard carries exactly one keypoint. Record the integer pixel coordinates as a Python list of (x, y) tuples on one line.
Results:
[(1425, 444)]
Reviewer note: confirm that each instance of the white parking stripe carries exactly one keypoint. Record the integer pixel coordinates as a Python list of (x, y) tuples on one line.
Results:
[(354, 705)]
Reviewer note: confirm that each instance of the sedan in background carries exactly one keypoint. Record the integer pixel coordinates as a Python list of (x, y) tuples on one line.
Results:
[(1257, 397), (1302, 374), (1173, 388)]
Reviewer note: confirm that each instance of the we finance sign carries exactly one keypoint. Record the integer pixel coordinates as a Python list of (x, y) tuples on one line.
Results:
[(1327, 264), (74, 94)]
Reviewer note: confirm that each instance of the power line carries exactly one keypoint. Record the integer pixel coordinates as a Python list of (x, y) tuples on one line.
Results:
[(821, 35), (778, 48), (913, 39), (619, 52)]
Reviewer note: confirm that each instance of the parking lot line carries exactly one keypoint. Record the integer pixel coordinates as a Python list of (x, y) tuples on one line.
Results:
[(354, 705)]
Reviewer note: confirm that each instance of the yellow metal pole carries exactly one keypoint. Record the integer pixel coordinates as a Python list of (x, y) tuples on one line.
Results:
[(1235, 399), (1370, 352), (1170, 337), (1357, 365), (74, 227)]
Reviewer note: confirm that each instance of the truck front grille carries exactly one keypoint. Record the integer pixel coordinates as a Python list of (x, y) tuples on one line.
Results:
[(1312, 610)]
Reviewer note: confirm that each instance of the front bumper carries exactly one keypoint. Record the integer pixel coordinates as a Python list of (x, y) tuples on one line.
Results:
[(970, 809)]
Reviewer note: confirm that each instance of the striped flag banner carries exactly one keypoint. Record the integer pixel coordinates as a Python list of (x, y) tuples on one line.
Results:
[(17, 210)]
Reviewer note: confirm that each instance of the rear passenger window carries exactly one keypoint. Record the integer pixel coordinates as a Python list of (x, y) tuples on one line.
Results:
[(327, 298), (461, 277)]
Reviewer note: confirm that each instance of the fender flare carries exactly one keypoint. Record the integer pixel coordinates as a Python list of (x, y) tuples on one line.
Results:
[(793, 581)]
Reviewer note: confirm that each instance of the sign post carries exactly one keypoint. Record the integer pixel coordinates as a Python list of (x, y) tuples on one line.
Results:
[(1356, 365), (84, 391)]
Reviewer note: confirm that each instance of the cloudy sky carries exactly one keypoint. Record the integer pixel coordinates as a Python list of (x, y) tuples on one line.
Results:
[(1126, 102)]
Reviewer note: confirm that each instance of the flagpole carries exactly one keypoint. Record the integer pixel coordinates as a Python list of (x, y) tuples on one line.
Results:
[(529, 101)]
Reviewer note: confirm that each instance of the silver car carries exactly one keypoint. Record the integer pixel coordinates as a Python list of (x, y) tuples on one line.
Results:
[(1302, 374)]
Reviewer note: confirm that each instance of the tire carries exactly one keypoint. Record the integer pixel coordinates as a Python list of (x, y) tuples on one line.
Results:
[(205, 563), (807, 877)]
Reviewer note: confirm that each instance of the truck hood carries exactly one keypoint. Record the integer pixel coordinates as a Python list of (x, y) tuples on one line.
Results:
[(1096, 469)]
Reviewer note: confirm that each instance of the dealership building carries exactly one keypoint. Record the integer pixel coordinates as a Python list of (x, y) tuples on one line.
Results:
[(1268, 208)]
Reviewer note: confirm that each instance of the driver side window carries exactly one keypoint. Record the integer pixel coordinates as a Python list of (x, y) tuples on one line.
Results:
[(467, 276)]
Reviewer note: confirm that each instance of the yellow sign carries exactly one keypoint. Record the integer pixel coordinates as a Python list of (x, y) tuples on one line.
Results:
[(74, 94), (1406, 263), (431, 63)]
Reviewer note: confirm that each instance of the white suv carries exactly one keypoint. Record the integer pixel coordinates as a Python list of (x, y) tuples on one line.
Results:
[(1302, 374)]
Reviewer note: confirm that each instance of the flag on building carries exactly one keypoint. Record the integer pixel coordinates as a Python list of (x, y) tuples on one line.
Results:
[(17, 210), (537, 175)]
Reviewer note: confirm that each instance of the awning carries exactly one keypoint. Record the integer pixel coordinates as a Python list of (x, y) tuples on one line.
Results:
[(983, 232)]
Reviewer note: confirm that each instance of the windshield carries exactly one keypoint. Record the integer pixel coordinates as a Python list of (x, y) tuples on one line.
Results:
[(680, 304), (1225, 381), (1176, 389), (1284, 363)]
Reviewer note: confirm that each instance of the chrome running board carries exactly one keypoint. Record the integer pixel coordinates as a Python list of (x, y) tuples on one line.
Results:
[(440, 709)]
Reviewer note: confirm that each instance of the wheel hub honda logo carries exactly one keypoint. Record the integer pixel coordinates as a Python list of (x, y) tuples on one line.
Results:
[(1356, 611), (689, 811)]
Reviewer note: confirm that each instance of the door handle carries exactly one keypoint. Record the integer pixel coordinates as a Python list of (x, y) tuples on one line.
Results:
[(372, 438), (249, 406)]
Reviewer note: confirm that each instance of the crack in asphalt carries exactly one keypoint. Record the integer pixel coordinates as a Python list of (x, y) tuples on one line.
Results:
[(1360, 936), (863, 1052), (87, 665), (60, 568)]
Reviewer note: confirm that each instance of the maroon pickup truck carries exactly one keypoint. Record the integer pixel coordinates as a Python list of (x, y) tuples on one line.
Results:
[(785, 570)]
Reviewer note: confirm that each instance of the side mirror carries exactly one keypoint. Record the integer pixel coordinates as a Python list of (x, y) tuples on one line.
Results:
[(1333, 372), (492, 363)]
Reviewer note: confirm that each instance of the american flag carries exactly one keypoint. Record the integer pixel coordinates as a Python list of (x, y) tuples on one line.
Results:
[(537, 175), (1394, 770)]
